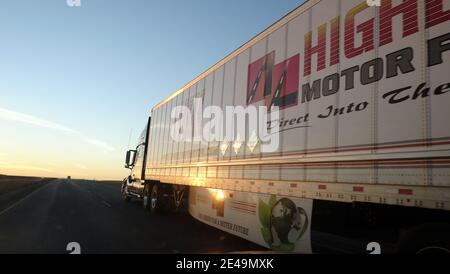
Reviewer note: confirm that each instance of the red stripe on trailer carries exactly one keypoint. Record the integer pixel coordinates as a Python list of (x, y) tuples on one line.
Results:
[(405, 191), (358, 189), (293, 185), (322, 186)]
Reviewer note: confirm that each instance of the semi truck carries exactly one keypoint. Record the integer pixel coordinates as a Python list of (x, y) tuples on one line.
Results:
[(357, 99)]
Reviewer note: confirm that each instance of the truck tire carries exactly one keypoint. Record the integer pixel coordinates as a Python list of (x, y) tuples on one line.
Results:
[(125, 196), (426, 239), (156, 201), (146, 199)]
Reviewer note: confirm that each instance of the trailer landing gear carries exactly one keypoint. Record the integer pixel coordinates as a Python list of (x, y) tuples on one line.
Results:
[(178, 196)]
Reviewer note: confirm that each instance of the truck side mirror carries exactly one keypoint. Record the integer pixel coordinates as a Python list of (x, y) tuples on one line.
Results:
[(129, 159)]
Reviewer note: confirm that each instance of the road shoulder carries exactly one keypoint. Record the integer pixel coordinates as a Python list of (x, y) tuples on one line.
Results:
[(10, 197)]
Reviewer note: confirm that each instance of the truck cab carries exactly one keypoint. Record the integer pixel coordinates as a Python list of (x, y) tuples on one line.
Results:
[(154, 195), (133, 185)]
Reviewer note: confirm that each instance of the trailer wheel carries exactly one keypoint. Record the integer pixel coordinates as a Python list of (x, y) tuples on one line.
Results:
[(156, 201), (426, 239), (146, 200)]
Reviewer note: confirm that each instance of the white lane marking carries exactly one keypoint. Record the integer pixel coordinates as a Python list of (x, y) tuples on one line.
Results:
[(106, 204), (24, 198), (94, 195)]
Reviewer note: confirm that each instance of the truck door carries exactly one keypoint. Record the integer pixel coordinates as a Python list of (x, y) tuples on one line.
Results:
[(137, 187)]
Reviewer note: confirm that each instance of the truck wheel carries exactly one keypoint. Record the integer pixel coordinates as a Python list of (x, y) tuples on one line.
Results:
[(146, 200), (125, 196), (156, 203)]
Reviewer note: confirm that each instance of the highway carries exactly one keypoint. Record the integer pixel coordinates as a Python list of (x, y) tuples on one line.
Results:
[(94, 215)]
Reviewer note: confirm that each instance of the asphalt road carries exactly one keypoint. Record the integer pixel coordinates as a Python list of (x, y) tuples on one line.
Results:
[(94, 215)]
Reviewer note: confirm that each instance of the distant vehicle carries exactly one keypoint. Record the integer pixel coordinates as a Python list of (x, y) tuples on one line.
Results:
[(364, 158), (69, 177)]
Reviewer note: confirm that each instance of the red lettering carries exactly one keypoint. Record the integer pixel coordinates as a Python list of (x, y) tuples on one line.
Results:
[(319, 49), (435, 13), (366, 29), (408, 9), (334, 41)]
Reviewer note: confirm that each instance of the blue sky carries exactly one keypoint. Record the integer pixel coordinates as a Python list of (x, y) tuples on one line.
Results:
[(75, 80)]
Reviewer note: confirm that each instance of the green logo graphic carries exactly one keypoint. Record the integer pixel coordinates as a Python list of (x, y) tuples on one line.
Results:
[(283, 223)]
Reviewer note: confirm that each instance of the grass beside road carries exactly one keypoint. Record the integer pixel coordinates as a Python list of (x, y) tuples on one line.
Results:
[(106, 182), (14, 188), (11, 183), (111, 183)]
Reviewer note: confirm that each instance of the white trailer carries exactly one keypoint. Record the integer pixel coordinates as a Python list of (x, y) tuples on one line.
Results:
[(364, 139)]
